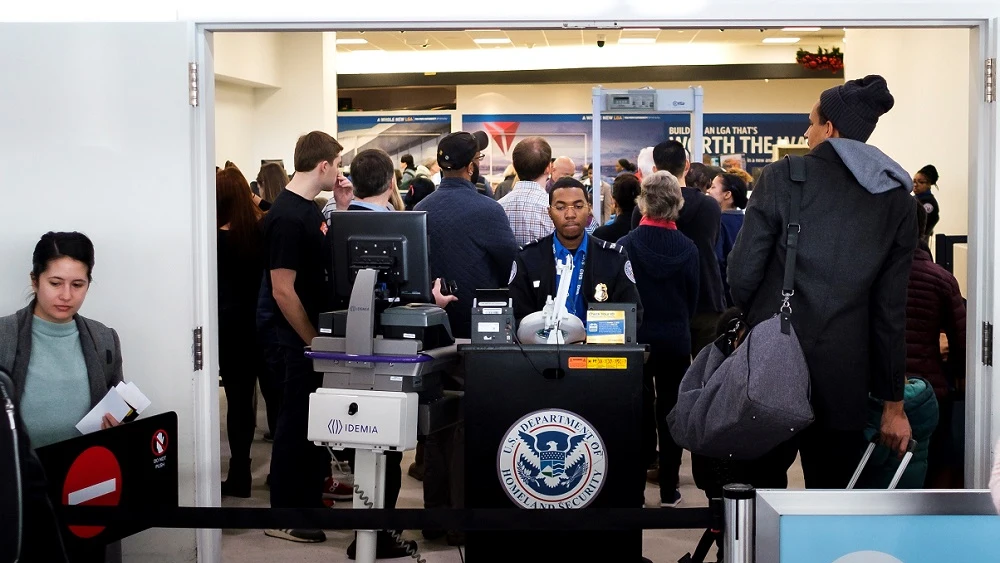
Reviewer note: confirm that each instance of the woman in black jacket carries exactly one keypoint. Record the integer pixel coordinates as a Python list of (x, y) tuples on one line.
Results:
[(240, 268), (665, 264)]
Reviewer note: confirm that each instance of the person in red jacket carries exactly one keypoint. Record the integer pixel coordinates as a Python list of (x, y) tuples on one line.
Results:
[(934, 305)]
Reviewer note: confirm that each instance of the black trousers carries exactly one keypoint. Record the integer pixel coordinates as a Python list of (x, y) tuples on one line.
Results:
[(662, 374), (829, 458), (444, 468), (272, 379), (240, 365), (298, 467)]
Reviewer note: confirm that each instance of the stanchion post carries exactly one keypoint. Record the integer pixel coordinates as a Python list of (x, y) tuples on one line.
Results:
[(739, 501)]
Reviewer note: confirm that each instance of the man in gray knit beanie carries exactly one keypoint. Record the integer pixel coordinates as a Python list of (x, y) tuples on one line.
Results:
[(851, 111), (857, 233)]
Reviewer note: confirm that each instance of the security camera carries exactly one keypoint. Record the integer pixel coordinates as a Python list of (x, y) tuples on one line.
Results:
[(600, 40)]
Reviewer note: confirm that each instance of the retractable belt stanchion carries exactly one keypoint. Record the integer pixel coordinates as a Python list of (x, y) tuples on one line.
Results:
[(739, 500)]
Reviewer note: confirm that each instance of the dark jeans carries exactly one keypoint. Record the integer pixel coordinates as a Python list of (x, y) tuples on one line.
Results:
[(272, 378), (444, 468), (298, 467), (662, 375), (240, 365)]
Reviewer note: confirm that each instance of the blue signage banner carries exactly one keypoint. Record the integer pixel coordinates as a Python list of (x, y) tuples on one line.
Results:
[(750, 136), (355, 122), (416, 134), (888, 539)]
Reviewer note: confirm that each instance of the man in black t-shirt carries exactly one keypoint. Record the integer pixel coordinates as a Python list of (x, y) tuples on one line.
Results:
[(294, 234)]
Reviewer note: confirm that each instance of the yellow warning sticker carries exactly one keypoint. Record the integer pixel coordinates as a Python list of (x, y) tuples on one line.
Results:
[(577, 362)]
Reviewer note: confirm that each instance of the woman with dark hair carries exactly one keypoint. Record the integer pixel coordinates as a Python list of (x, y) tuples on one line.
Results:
[(624, 192), (923, 181), (623, 165), (731, 192), (271, 179), (62, 364), (240, 268), (700, 176)]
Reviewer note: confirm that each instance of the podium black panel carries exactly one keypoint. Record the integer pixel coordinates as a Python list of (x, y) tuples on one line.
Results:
[(553, 427), (132, 465)]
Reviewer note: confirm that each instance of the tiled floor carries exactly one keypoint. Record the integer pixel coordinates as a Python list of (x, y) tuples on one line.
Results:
[(252, 546)]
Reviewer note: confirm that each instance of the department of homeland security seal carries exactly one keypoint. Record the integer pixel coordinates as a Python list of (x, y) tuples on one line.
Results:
[(552, 458)]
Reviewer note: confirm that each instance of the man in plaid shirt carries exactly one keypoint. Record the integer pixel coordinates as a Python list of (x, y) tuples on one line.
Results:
[(527, 205)]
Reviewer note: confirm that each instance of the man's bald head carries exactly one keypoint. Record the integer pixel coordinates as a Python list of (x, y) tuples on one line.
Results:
[(563, 167)]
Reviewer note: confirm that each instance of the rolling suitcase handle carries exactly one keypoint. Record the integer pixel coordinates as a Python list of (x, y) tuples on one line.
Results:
[(868, 453)]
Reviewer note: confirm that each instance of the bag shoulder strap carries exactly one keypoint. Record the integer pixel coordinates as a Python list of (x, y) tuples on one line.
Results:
[(797, 174)]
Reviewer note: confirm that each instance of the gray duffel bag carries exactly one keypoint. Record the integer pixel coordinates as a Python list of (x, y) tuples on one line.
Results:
[(740, 405)]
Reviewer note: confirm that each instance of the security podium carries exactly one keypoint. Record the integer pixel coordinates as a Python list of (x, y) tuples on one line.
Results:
[(553, 427)]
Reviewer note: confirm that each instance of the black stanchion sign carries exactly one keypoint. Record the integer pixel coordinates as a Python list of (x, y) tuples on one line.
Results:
[(132, 466)]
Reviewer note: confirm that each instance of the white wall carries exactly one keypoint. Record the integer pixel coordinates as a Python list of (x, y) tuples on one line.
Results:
[(234, 127), (928, 73), (97, 139), (741, 96), (247, 57), (283, 114)]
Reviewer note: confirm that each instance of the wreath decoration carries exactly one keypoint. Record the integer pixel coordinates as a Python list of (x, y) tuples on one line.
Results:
[(822, 59)]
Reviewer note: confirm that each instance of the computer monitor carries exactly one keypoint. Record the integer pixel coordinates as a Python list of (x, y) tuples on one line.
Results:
[(393, 243)]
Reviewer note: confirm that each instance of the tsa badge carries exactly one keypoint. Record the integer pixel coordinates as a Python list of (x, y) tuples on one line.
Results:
[(552, 459), (601, 292)]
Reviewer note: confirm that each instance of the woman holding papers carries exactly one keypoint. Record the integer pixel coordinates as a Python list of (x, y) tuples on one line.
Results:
[(62, 364)]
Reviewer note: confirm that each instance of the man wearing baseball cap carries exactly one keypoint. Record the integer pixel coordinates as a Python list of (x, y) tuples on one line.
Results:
[(471, 241), (857, 235), (472, 244)]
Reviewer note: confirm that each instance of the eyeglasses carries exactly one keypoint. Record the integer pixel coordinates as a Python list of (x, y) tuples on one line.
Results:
[(562, 207)]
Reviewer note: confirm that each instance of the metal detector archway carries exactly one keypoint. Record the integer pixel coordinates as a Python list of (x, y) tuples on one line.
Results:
[(646, 100)]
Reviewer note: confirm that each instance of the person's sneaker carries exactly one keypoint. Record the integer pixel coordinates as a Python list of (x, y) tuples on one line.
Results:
[(433, 534), (416, 471), (455, 538), (268, 437), (653, 475), (385, 547), (297, 535), (671, 501), (337, 490)]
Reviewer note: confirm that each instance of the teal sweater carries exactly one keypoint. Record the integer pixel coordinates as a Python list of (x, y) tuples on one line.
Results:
[(57, 389)]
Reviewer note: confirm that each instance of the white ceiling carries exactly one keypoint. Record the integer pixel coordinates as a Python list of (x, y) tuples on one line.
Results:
[(463, 40)]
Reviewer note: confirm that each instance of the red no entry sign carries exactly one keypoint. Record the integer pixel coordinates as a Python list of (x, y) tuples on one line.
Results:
[(161, 441), (94, 479)]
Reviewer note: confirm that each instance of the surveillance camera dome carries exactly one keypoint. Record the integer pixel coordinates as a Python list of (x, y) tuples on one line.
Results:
[(600, 40)]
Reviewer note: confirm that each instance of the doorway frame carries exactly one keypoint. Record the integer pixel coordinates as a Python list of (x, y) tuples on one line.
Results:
[(982, 427)]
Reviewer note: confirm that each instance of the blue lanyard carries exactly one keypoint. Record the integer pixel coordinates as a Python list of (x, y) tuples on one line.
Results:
[(574, 302)]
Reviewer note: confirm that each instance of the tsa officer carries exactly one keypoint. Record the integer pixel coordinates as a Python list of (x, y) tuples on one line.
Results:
[(601, 270)]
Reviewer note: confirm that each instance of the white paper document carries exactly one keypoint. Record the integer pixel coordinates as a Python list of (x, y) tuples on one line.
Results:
[(124, 402)]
